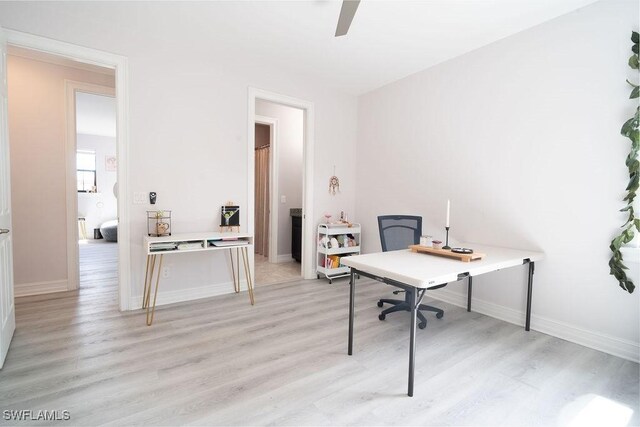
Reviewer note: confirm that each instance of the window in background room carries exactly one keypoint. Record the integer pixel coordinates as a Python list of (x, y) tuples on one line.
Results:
[(86, 168)]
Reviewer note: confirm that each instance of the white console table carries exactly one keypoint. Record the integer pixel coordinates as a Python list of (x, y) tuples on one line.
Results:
[(157, 247)]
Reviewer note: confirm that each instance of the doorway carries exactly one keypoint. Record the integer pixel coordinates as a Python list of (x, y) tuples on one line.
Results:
[(95, 176), (278, 160), (306, 215), (75, 170), (88, 58)]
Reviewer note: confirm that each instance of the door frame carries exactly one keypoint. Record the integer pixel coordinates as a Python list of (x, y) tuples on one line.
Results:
[(273, 183), (307, 172), (119, 64), (73, 259)]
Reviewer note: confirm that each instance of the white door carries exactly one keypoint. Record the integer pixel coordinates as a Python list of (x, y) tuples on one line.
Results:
[(7, 307)]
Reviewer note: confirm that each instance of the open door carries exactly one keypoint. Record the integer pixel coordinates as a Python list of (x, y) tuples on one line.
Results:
[(7, 306)]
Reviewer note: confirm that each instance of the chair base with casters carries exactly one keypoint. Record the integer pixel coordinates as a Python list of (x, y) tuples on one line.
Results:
[(400, 305)]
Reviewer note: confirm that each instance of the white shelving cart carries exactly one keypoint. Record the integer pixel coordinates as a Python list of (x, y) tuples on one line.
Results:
[(328, 257)]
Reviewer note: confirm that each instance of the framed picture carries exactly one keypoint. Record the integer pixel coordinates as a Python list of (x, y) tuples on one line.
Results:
[(110, 163), (230, 216)]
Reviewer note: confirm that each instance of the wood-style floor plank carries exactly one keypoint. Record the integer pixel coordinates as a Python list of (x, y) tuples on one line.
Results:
[(221, 361)]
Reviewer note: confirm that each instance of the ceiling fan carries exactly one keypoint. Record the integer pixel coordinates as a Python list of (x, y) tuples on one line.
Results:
[(347, 13)]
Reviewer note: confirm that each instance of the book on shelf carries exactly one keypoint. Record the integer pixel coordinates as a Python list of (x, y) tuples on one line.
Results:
[(156, 247), (223, 243), (182, 246)]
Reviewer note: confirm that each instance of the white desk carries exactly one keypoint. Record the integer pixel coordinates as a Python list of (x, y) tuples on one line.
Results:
[(155, 248), (417, 273)]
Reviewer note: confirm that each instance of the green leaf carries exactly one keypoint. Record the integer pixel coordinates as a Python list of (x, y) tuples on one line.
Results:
[(630, 286), (627, 127), (626, 208), (633, 183), (628, 236), (616, 243), (634, 93), (635, 37), (637, 221), (634, 48), (633, 61)]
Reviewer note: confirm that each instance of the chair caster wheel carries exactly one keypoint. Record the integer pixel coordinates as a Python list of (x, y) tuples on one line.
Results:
[(439, 315), (382, 317), (422, 325), (317, 275), (380, 304), (329, 281)]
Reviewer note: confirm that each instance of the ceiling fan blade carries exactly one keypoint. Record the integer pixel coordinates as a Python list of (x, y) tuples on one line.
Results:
[(347, 13)]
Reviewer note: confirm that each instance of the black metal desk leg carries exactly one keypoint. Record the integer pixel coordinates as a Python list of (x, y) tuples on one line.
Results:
[(352, 291), (469, 285), (413, 301), (527, 324)]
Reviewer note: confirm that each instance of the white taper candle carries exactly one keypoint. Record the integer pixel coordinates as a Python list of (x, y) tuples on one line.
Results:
[(448, 210)]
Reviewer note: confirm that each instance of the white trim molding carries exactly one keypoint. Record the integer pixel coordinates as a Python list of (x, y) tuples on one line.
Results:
[(602, 342), (120, 65), (190, 294), (38, 288), (284, 258), (308, 240)]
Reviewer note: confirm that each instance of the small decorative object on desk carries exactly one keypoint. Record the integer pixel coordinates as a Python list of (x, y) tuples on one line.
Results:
[(426, 241), (230, 217), (462, 250), (327, 216), (446, 245), (437, 244), (159, 223)]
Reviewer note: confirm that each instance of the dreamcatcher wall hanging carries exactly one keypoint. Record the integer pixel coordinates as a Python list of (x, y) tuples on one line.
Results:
[(334, 183)]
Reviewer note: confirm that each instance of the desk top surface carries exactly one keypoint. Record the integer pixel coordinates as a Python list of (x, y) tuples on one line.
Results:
[(425, 270)]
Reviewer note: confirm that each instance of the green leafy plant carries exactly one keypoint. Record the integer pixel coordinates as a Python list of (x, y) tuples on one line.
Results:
[(629, 130)]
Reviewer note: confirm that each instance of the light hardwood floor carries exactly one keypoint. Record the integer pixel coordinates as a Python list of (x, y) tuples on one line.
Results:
[(220, 361)]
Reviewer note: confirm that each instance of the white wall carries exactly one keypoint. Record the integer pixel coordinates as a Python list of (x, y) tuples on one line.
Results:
[(290, 144), (188, 127), (103, 205), (37, 126), (523, 137)]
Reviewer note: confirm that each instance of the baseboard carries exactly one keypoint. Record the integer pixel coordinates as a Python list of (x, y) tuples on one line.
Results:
[(602, 342), (284, 258), (39, 288), (180, 295)]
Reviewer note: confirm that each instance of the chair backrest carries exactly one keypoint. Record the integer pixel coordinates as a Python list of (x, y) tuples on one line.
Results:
[(399, 231)]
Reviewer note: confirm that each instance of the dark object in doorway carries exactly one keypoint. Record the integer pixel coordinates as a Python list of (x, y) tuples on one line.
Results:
[(109, 230), (97, 234), (296, 237)]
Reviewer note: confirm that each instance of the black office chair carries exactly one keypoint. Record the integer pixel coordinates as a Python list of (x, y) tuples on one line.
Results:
[(398, 232)]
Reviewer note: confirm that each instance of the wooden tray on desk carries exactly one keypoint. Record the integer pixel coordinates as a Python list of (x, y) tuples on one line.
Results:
[(446, 253)]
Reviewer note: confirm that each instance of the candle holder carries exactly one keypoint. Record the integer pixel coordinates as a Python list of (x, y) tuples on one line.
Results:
[(446, 245)]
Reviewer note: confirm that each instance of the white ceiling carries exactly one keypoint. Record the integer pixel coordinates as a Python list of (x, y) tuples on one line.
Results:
[(388, 39), (95, 114)]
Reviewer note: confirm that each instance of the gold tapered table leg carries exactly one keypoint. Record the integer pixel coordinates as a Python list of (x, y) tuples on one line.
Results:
[(236, 283), (146, 282), (151, 309), (147, 286), (247, 273)]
